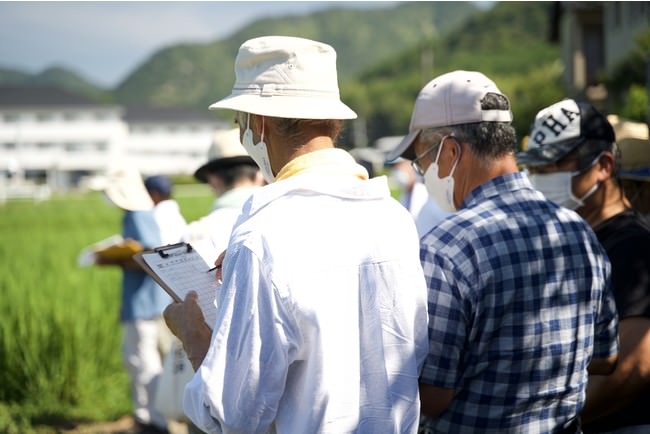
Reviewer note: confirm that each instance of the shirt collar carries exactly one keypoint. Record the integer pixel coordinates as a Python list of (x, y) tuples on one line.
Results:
[(496, 187)]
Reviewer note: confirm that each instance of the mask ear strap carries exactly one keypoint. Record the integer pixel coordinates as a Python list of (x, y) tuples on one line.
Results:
[(262, 135), (248, 122), (440, 149)]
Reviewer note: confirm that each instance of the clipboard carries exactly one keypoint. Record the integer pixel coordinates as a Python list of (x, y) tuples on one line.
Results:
[(179, 269)]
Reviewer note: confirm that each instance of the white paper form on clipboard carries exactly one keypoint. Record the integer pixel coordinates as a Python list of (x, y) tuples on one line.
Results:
[(179, 269)]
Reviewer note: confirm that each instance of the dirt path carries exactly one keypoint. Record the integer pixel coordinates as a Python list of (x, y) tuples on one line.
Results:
[(120, 426)]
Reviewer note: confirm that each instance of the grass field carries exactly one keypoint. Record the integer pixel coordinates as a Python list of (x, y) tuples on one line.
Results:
[(60, 338)]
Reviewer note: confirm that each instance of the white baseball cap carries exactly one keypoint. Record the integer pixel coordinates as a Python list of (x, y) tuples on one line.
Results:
[(451, 99), (286, 77)]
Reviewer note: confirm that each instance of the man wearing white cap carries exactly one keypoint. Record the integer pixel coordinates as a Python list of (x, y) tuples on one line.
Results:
[(519, 302), (575, 157), (233, 176), (322, 312)]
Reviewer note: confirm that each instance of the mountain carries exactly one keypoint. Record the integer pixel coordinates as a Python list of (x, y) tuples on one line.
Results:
[(60, 77), (385, 56), (195, 75), (509, 43)]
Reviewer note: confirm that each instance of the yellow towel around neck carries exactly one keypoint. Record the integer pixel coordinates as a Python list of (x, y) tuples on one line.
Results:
[(332, 161)]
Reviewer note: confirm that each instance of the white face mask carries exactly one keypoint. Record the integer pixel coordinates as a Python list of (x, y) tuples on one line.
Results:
[(258, 152), (557, 188), (441, 190)]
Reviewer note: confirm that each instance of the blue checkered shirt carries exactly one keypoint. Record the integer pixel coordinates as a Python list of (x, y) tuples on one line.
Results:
[(519, 303)]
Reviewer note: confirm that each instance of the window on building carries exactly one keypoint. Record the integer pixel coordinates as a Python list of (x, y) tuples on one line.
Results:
[(9, 145), (44, 117), (101, 146), (44, 145), (70, 116), (73, 147), (11, 117), (617, 14), (593, 48)]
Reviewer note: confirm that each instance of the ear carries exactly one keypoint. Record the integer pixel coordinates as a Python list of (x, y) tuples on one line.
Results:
[(258, 123), (606, 166)]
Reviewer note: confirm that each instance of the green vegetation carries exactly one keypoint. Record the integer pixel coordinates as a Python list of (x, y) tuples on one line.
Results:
[(60, 338), (507, 43), (195, 75), (627, 82), (385, 56)]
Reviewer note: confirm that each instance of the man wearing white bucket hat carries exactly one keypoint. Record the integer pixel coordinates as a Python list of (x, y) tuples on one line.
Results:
[(322, 314)]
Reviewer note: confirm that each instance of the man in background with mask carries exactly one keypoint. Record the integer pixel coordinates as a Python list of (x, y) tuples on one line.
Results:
[(322, 309), (519, 301), (412, 194), (574, 160)]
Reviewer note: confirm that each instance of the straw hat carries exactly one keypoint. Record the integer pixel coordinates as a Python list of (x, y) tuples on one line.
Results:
[(633, 141), (226, 151), (286, 77)]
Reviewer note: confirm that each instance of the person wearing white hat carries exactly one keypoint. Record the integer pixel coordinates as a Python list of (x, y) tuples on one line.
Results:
[(322, 309), (579, 167), (520, 307), (233, 176), (143, 301)]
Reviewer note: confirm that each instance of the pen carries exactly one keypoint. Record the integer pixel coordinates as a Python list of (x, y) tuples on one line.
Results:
[(216, 267)]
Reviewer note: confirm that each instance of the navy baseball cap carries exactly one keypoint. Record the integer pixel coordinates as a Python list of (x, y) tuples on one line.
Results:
[(563, 127), (158, 183)]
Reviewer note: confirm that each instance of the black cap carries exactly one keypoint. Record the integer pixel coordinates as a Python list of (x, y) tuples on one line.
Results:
[(563, 127), (218, 164)]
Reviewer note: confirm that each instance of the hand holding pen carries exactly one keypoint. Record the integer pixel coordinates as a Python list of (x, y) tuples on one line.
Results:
[(217, 266)]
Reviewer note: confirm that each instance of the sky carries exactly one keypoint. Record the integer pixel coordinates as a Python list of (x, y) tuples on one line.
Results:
[(105, 41)]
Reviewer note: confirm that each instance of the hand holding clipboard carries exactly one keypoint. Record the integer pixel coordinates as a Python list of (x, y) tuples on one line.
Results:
[(179, 269)]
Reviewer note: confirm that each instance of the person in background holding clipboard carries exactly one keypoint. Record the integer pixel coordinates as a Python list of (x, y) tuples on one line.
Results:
[(145, 334), (322, 320)]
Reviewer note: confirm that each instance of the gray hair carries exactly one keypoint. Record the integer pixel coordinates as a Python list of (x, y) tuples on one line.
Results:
[(488, 141)]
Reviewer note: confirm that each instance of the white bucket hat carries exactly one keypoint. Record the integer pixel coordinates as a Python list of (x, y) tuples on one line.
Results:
[(124, 187), (286, 77)]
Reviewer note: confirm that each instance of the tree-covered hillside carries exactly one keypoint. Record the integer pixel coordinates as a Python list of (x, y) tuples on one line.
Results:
[(55, 76), (385, 56), (508, 43), (195, 75)]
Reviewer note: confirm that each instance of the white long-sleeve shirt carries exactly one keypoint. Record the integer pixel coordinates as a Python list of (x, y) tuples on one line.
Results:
[(322, 324), (170, 221)]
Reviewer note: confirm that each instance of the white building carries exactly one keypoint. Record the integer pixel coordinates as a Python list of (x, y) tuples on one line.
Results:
[(594, 37), (51, 136)]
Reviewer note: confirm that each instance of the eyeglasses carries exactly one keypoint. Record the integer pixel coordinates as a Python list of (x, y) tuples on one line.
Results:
[(416, 162)]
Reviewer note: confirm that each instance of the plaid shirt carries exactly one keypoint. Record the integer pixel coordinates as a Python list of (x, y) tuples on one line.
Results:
[(519, 303)]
